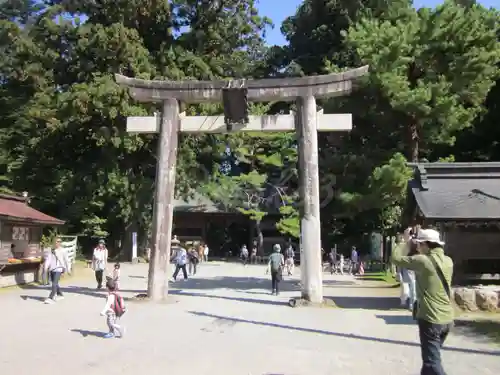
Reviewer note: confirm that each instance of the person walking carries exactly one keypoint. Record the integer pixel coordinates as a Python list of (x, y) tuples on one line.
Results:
[(406, 276), (205, 253), (433, 309), (253, 254), (193, 256), (56, 263), (333, 259), (117, 275), (180, 263), (290, 260), (113, 311), (244, 255), (99, 262), (275, 266), (201, 251), (354, 260)]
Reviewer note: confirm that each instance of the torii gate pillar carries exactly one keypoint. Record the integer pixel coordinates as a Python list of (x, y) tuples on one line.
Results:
[(303, 90), (310, 225)]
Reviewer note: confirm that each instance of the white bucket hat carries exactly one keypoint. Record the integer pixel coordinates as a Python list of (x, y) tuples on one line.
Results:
[(429, 235), (175, 241)]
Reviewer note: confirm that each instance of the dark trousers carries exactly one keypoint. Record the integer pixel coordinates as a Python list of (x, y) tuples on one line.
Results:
[(98, 278), (177, 269), (432, 337), (54, 278), (193, 265), (275, 281)]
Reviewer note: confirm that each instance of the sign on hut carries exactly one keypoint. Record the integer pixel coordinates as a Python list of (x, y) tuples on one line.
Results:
[(20, 235)]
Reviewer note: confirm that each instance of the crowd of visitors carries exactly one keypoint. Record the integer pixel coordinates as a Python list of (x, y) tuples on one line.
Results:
[(423, 269)]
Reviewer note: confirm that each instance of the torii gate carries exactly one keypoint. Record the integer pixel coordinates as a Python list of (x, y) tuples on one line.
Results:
[(306, 122)]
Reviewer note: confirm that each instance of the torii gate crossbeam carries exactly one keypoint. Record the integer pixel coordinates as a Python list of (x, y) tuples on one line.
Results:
[(306, 122)]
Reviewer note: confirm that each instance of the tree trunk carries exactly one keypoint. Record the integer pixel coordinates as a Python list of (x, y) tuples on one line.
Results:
[(385, 252), (260, 239), (413, 143)]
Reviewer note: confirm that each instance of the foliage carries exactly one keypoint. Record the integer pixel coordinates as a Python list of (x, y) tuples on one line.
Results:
[(430, 94), (430, 71), (434, 68), (63, 117), (48, 239), (289, 224), (263, 166)]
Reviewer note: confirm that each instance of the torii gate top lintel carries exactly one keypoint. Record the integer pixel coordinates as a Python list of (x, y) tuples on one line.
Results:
[(282, 89)]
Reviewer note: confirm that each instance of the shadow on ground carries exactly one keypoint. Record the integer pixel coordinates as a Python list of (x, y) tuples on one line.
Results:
[(235, 283), (86, 333), (248, 283), (92, 292), (489, 329), (397, 319), (227, 298), (34, 298), (366, 303), (339, 334)]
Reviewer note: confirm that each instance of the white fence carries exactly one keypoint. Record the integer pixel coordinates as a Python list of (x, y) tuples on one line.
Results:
[(69, 243)]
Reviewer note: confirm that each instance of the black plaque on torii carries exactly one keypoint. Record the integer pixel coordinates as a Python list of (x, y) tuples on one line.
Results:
[(235, 104)]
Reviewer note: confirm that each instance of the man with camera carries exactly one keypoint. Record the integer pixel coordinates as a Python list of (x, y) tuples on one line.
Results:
[(433, 309)]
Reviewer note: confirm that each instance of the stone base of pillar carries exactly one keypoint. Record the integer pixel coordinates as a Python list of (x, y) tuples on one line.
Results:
[(301, 302)]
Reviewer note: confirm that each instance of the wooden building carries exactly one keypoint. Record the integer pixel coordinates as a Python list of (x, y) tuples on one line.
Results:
[(200, 219), (462, 201), (20, 235)]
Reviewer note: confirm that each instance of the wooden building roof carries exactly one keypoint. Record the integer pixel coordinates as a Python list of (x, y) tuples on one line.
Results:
[(16, 208), (457, 191), (196, 203)]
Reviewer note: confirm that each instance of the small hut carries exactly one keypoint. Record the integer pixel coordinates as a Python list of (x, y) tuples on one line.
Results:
[(20, 235), (462, 201)]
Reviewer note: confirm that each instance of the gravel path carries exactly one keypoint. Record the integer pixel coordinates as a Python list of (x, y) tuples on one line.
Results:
[(223, 321)]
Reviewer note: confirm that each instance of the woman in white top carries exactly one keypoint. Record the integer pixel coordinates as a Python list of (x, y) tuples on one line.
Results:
[(205, 253), (99, 262)]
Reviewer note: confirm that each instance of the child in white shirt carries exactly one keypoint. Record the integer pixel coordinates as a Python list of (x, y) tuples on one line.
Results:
[(113, 310), (116, 275)]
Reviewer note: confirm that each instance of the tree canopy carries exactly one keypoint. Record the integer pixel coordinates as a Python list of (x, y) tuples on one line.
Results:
[(432, 93)]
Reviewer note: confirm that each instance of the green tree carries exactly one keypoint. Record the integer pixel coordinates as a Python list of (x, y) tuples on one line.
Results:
[(434, 68), (480, 142), (254, 186), (289, 224), (314, 32), (63, 117), (417, 61)]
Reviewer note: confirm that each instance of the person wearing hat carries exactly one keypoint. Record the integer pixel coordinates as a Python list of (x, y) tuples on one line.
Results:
[(179, 257), (433, 309), (99, 261), (275, 265)]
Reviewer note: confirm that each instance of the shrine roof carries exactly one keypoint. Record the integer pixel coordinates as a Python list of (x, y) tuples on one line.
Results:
[(16, 208), (457, 191), (196, 203)]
